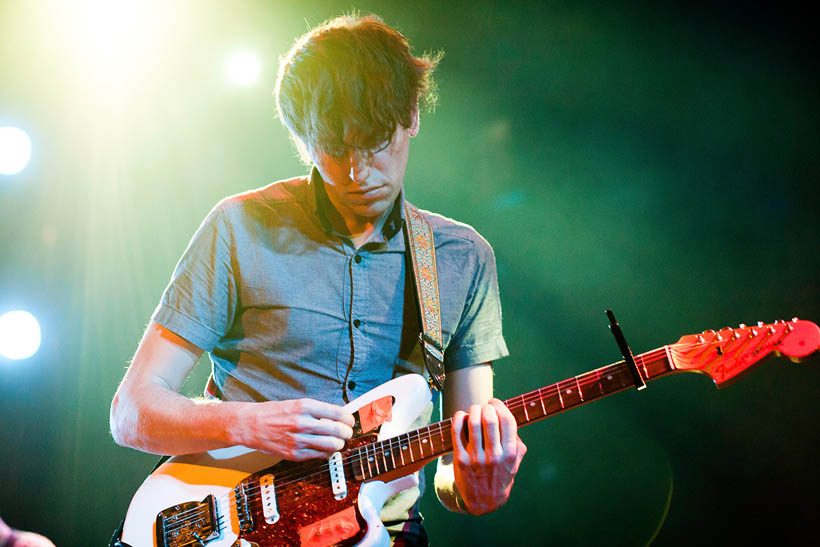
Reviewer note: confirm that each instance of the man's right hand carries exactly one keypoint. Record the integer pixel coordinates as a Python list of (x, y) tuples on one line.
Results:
[(294, 430)]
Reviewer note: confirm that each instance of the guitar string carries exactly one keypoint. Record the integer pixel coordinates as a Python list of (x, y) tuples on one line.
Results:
[(358, 456)]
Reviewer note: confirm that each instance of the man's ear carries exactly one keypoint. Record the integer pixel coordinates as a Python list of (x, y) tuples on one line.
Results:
[(414, 123)]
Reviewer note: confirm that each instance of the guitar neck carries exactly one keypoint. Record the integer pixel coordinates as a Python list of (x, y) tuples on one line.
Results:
[(411, 449)]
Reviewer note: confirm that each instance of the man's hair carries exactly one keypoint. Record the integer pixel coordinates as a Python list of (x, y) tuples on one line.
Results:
[(346, 84)]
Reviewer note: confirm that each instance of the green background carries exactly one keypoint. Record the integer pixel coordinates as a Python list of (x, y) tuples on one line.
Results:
[(658, 158)]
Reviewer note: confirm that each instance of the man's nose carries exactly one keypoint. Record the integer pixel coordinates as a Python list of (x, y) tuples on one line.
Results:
[(359, 167)]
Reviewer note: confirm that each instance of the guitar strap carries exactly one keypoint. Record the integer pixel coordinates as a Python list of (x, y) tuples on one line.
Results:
[(418, 236)]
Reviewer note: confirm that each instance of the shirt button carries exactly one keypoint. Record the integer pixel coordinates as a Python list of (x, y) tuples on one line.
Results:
[(351, 385), (356, 323), (357, 258)]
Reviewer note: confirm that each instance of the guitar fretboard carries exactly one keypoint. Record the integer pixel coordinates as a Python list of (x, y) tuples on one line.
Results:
[(424, 444)]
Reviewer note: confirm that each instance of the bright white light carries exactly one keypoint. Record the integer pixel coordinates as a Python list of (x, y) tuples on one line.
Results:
[(243, 68), (19, 335), (15, 150)]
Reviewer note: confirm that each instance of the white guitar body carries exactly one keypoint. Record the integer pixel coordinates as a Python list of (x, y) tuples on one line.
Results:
[(193, 477)]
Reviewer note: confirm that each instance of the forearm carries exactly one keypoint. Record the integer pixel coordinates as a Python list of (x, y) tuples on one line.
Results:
[(152, 418), (445, 485)]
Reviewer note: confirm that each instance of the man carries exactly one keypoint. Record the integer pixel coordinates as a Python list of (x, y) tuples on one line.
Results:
[(298, 291)]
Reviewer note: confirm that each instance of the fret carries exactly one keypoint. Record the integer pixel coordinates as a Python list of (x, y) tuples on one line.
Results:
[(374, 459), (578, 387), (561, 399), (413, 443), (643, 365), (401, 445), (358, 454), (598, 378), (524, 406), (408, 447), (368, 460), (541, 399), (384, 457), (425, 440), (441, 447), (446, 442)]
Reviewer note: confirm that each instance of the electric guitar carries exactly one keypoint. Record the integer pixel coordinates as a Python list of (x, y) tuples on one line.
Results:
[(237, 496)]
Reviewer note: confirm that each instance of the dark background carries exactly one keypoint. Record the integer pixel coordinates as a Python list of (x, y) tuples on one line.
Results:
[(659, 158)]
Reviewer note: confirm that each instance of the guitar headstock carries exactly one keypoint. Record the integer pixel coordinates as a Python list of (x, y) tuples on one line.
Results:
[(726, 354)]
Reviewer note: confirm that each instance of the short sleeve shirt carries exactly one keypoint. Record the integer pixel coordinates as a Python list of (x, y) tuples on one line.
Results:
[(287, 308)]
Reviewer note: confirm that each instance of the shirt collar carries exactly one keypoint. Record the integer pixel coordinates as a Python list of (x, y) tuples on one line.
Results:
[(392, 226)]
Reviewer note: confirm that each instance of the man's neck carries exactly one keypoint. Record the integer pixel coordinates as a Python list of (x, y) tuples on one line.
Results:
[(359, 230)]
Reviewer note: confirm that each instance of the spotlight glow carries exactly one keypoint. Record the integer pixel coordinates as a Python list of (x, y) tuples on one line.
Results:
[(19, 335), (15, 150), (243, 68)]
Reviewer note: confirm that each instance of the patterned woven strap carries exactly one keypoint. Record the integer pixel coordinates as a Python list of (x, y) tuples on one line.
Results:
[(423, 259)]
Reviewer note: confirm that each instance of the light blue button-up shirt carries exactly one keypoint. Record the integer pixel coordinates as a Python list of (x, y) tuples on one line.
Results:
[(287, 308)]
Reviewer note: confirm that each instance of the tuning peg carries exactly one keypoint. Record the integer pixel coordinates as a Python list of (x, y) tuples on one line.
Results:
[(760, 323), (718, 337), (700, 339), (795, 319), (752, 333), (771, 330), (735, 335), (742, 326)]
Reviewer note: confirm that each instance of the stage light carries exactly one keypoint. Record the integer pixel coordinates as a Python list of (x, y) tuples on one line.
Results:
[(19, 335), (15, 150), (243, 68)]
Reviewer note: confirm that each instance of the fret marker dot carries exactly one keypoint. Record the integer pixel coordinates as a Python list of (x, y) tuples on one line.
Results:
[(424, 440), (609, 377), (404, 447), (569, 391), (371, 458), (532, 404)]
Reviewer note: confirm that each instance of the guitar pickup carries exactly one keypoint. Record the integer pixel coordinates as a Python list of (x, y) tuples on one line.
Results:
[(269, 508), (191, 523), (337, 476)]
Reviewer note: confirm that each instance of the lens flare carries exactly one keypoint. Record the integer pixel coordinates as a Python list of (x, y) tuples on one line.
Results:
[(15, 150), (19, 335)]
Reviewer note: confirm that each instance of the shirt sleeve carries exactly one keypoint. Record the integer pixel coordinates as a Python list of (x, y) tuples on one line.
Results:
[(478, 337), (200, 301)]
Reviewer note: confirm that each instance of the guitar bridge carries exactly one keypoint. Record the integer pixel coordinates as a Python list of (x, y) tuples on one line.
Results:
[(191, 523)]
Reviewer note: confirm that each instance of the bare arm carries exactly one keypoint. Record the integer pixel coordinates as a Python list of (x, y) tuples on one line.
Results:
[(149, 414), (478, 476)]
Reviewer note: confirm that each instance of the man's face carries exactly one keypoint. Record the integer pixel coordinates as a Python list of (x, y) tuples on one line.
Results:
[(363, 187)]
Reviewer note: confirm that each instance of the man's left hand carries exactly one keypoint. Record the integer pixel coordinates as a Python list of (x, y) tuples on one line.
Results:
[(486, 455)]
